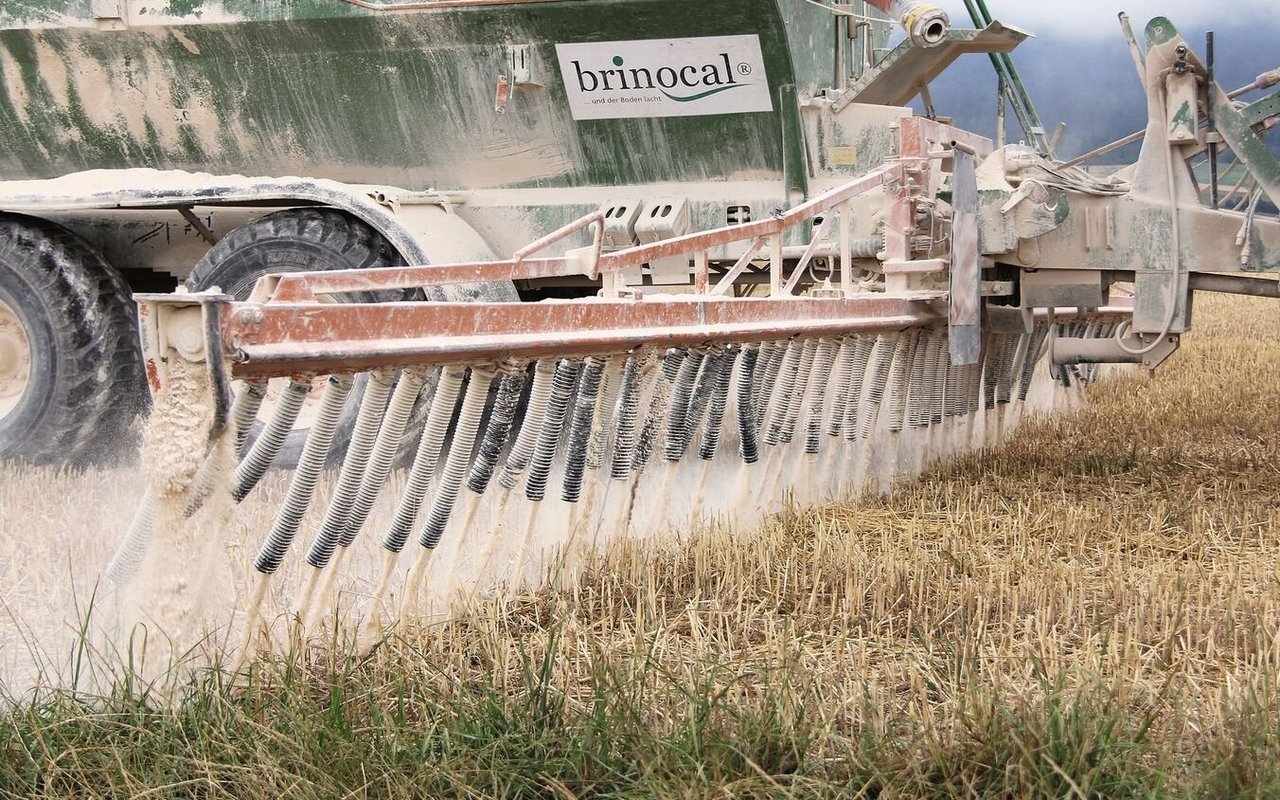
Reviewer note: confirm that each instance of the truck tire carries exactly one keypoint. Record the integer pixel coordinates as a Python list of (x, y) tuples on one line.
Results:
[(297, 240), (293, 240), (71, 379)]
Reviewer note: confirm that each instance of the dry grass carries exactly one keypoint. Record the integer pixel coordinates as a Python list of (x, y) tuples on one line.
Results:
[(1090, 610), (1132, 545)]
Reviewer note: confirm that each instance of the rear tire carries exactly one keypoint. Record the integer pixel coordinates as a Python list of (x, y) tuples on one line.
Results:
[(71, 379)]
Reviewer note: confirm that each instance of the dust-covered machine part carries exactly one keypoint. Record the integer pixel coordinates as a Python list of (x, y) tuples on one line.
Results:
[(549, 428), (901, 316)]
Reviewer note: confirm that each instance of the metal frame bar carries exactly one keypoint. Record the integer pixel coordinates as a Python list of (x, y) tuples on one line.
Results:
[(1262, 110), (560, 234), (281, 338), (307, 286), (725, 283)]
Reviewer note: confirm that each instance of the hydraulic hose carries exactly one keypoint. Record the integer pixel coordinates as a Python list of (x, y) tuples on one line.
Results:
[(886, 350), (703, 389), (303, 485), (606, 408), (385, 446), (842, 380), (584, 412), (918, 396), (900, 378), (1005, 378), (124, 564), (768, 364), (991, 349), (937, 358), (682, 398), (439, 418), (863, 348), (1035, 349), (544, 452), (780, 393), (671, 364), (748, 445), (244, 410), (824, 361), (624, 442), (498, 432), (536, 411), (795, 400), (720, 385), (372, 405), (950, 387), (455, 466), (268, 444)]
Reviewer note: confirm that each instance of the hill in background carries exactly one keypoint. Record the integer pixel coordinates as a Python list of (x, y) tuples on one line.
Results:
[(1090, 85)]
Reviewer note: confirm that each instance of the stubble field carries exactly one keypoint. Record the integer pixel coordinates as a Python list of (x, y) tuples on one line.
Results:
[(1090, 610)]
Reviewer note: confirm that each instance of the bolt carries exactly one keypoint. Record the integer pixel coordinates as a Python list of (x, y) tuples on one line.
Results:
[(189, 343), (251, 317)]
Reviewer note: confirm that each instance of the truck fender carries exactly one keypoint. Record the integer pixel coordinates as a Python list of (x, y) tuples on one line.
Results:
[(420, 225)]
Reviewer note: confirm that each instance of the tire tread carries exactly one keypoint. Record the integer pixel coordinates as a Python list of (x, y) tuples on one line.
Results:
[(99, 387)]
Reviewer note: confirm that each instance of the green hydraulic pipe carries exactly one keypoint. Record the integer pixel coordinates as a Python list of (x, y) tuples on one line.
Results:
[(1023, 106)]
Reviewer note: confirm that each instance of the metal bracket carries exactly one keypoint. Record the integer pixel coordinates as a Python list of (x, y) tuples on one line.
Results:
[(1064, 351), (520, 62), (900, 74), (198, 225), (665, 218), (1261, 111), (187, 326), (109, 14), (965, 306), (107, 9)]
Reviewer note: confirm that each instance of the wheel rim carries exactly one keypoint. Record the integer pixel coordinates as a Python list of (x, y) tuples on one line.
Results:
[(15, 360)]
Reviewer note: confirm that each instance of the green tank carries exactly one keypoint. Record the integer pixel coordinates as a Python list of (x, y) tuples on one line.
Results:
[(328, 89), (372, 134)]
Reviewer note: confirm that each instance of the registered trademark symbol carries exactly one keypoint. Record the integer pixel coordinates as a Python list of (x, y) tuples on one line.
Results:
[(744, 68)]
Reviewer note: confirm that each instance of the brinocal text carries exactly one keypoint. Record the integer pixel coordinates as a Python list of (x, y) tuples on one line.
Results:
[(665, 77)]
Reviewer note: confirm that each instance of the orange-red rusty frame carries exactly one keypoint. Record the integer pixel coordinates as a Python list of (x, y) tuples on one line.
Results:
[(284, 338)]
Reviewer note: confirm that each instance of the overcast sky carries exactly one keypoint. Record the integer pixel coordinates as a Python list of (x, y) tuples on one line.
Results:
[(1095, 18)]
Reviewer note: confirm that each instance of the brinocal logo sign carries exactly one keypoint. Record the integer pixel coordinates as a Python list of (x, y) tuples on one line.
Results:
[(665, 77)]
